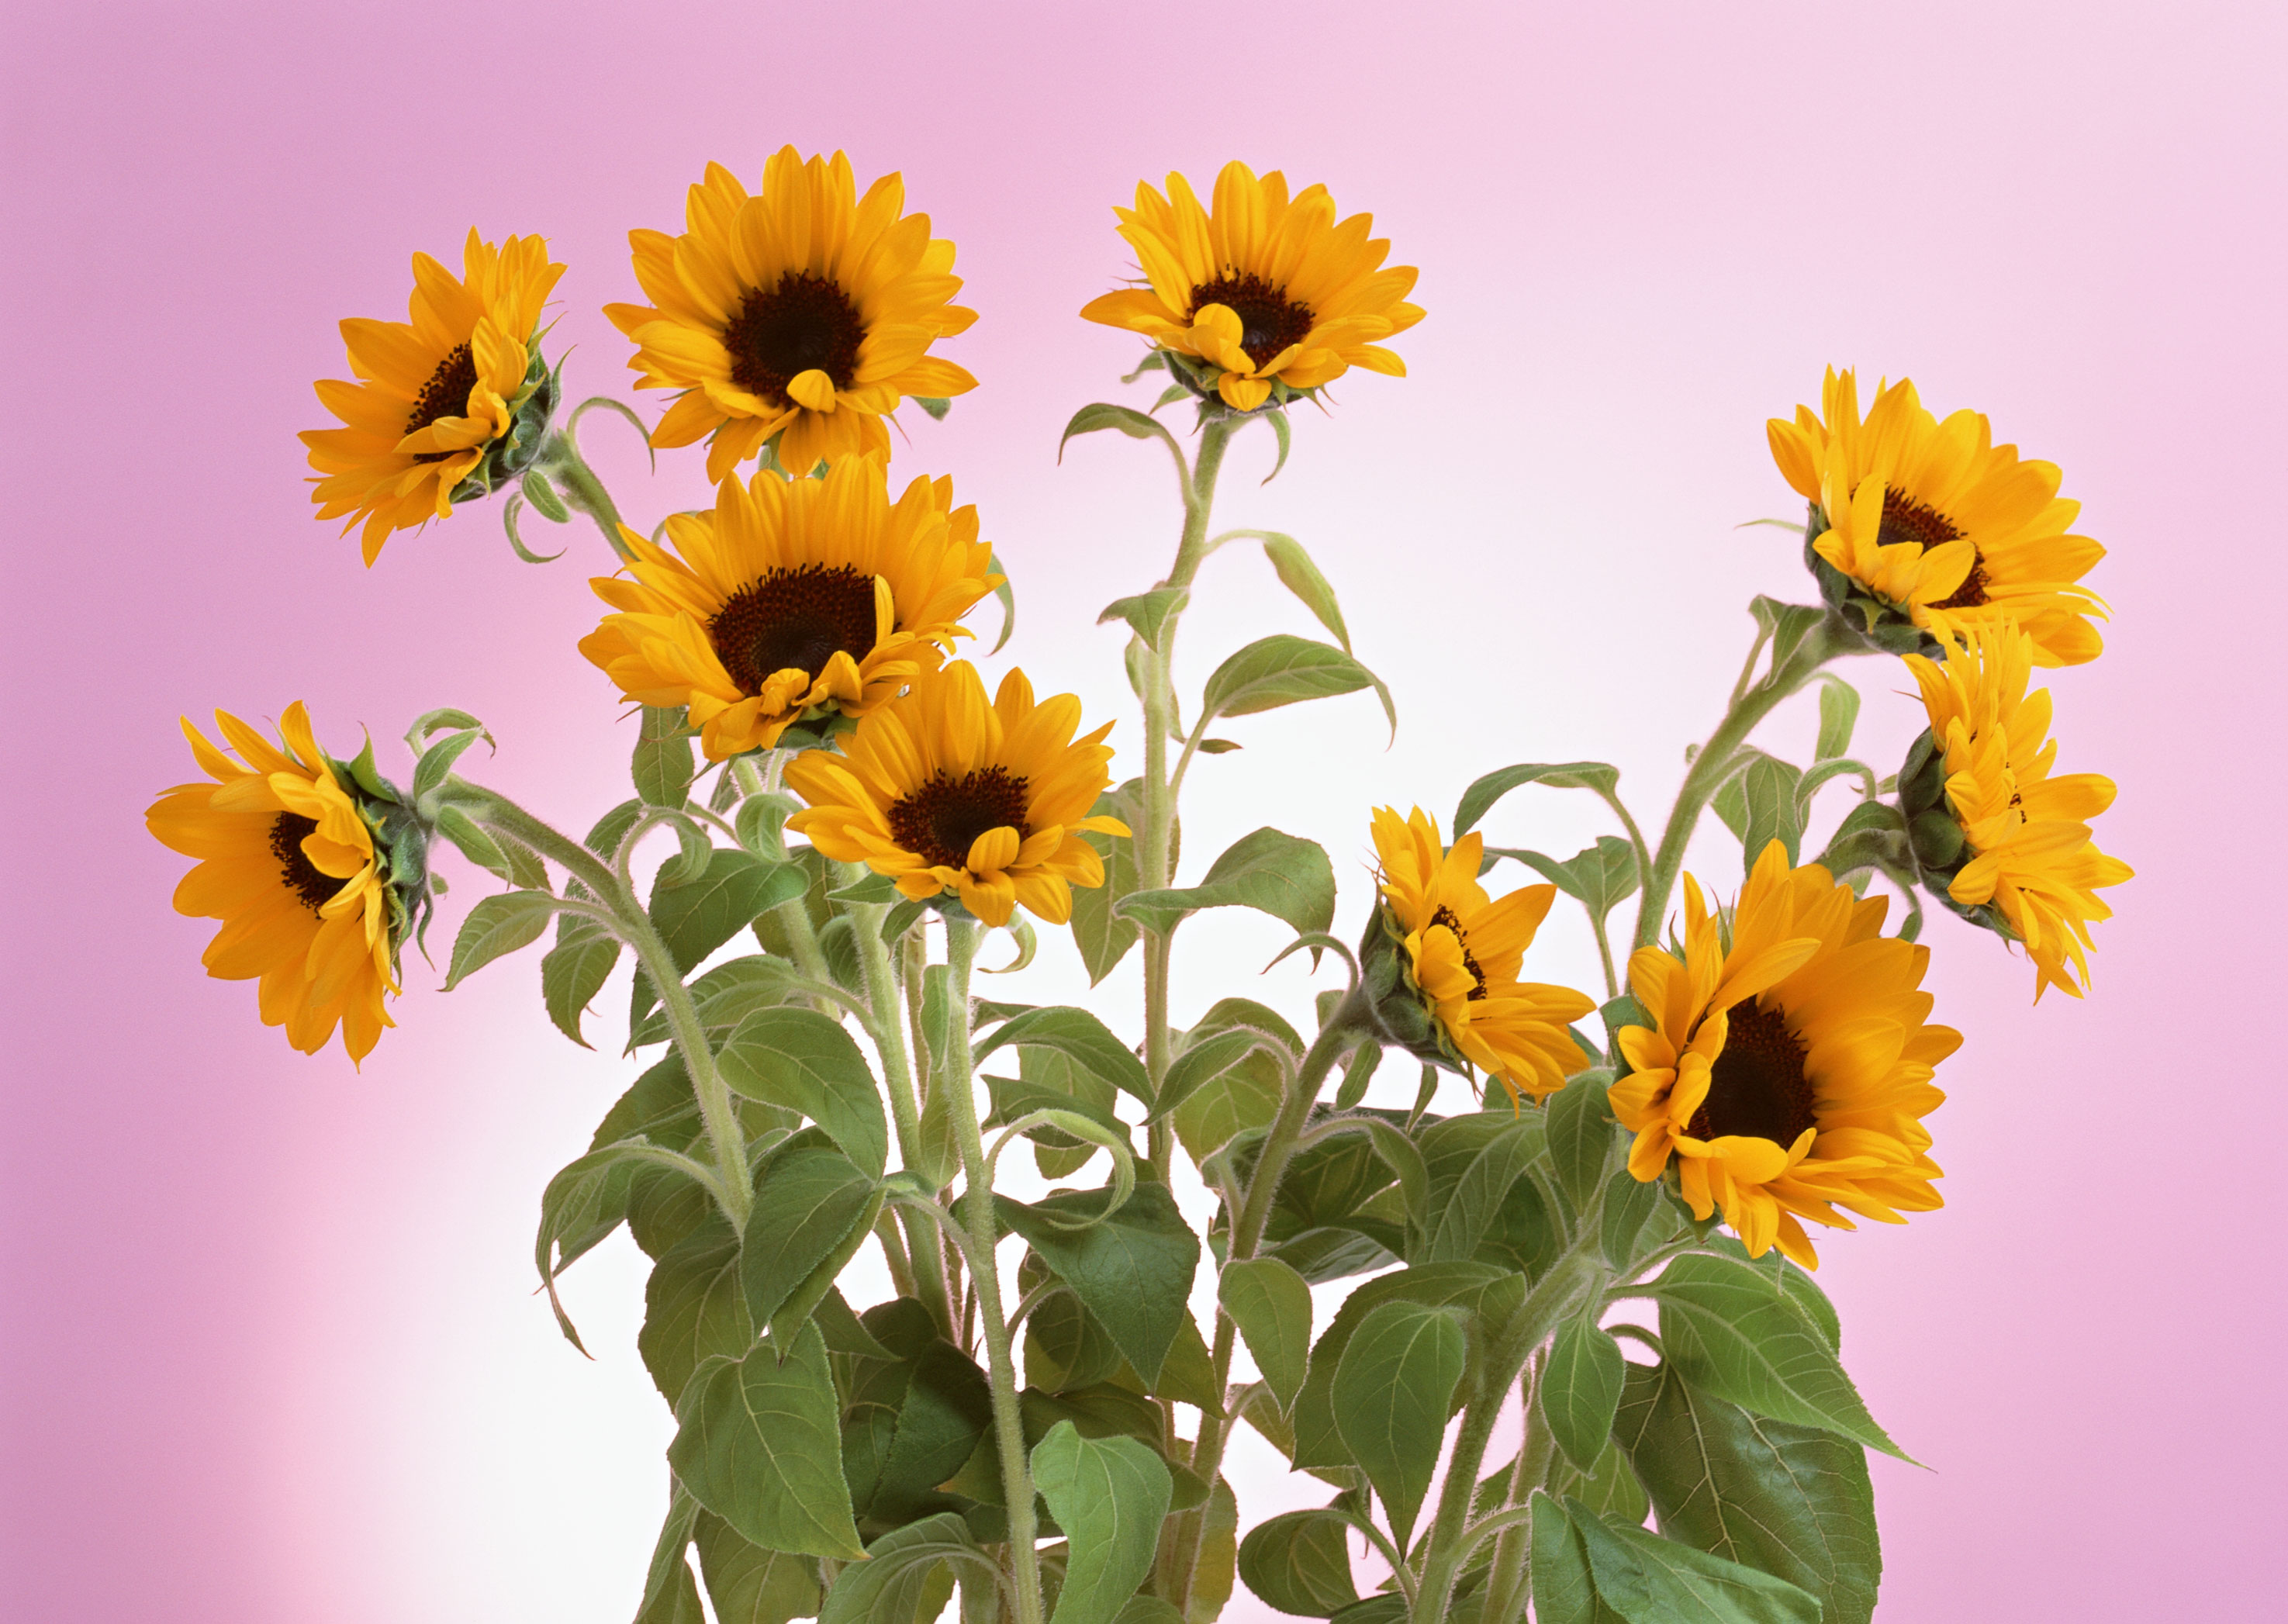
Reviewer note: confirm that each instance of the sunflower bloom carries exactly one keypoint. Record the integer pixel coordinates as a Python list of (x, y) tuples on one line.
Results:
[(1261, 289), (2026, 850), (456, 396), (1463, 952), (805, 311), (288, 864), (943, 792), (792, 599), (1938, 523), (1790, 1065)]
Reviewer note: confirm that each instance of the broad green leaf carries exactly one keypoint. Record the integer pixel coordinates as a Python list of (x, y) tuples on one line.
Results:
[(1271, 1305), (1147, 613), (907, 1575), (1479, 798), (1648, 1580), (761, 825), (1474, 1287), (511, 862), (1597, 876), (869, 889), (1300, 1563), (757, 1443), (1301, 577), (574, 971), (693, 1311), (1627, 1205), (1564, 1590), (1103, 936), (1392, 1393), (437, 760), (1581, 1136), (1108, 1409), (584, 1203), (804, 1061), (1217, 1566), (1358, 1071), (1273, 873), (1228, 1085), (947, 1409), (1079, 1035), (1838, 714), (807, 1202), (1109, 1495), (1786, 624), (697, 918), (1609, 1488), (748, 1584), (1459, 1222), (670, 1594), (1065, 1348), (1048, 1080), (498, 925), (662, 769), (1132, 1271), (1758, 804), (1285, 670), (1581, 1389), (726, 995), (1127, 419)]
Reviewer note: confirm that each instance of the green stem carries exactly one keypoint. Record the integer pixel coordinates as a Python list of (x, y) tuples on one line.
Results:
[(1505, 1583), (1336, 1039), (559, 458)]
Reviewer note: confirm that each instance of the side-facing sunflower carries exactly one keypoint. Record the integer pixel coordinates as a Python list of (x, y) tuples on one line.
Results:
[(1272, 293), (2007, 836), (943, 792), (451, 403), (290, 867), (1938, 524), (1462, 952), (792, 598), (1789, 1068), (805, 312)]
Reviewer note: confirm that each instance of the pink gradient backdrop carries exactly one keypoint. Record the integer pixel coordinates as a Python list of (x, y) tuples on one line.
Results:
[(269, 1348)]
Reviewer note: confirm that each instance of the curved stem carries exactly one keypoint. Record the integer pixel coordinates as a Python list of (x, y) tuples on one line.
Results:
[(1505, 1584), (559, 458), (1335, 1039)]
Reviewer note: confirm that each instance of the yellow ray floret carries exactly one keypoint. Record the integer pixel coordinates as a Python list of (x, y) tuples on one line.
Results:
[(1262, 286), (1465, 950), (805, 312), (288, 865), (1936, 519), (1789, 1063), (435, 393), (791, 598), (943, 792), (2032, 856)]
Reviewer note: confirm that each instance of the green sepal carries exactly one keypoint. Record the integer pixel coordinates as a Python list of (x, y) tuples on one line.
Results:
[(1402, 1013), (507, 457)]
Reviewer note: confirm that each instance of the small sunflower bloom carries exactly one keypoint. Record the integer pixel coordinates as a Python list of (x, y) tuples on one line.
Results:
[(1460, 952), (1789, 1063), (289, 864), (947, 793), (448, 404), (804, 313), (791, 600), (1939, 527), (1269, 294)]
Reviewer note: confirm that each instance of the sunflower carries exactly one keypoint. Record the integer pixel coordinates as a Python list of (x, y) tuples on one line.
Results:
[(804, 313), (458, 397), (1789, 1063), (942, 792), (2025, 849), (1937, 522), (792, 598), (1463, 952), (289, 866), (1264, 290)]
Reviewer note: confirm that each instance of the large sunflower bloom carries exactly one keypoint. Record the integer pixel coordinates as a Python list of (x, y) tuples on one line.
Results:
[(791, 598), (1464, 951), (440, 393), (2025, 832), (1789, 1063), (1262, 287), (1938, 522), (805, 313), (289, 866), (943, 792)]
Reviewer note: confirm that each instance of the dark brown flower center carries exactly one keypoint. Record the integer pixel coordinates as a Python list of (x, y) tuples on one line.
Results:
[(793, 619), (1972, 592), (1757, 1087), (942, 820), (446, 394), (1445, 916), (1905, 519), (296, 871), (1268, 319), (804, 323)]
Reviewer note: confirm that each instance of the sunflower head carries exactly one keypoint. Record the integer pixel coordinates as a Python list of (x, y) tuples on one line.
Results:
[(1441, 961), (982, 805), (316, 868), (1259, 297), (797, 317), (2002, 840), (1920, 528), (1789, 1063), (449, 404)]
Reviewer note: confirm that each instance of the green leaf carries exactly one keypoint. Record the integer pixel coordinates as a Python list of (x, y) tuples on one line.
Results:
[(1610, 1488), (1358, 1071), (543, 498), (1786, 624), (1758, 804), (757, 1442), (907, 1575), (1103, 935), (1459, 1223), (696, 917), (1393, 1392), (693, 1312), (437, 760), (662, 768), (1147, 613), (1080, 1037), (498, 925), (1627, 1205), (1217, 1566), (574, 971), (1564, 1590), (726, 995), (1286, 670), (1598, 877), (1301, 577), (1581, 1389), (1132, 1271), (1279, 432), (1648, 1580), (1477, 1288), (1224, 1085), (1289, 878), (1479, 798), (1006, 596), (804, 1061), (872, 889), (937, 406), (670, 1595), (1581, 1136), (1048, 1081), (1109, 1495), (1128, 420), (807, 1203), (1271, 1305), (582, 1204), (749, 1585), (761, 825), (1838, 714), (1300, 1563)]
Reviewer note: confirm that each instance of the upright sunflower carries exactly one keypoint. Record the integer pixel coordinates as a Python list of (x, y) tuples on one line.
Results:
[(1462, 952), (2010, 838), (288, 865), (805, 311), (1270, 294), (1788, 1066), (1936, 522), (943, 792), (452, 402)]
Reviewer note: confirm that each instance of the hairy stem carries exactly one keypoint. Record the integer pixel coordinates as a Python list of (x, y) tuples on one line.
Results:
[(1505, 1583), (559, 458)]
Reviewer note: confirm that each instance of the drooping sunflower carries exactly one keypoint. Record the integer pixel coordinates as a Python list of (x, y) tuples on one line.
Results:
[(1938, 524), (805, 311), (792, 598), (451, 402), (2025, 849), (1790, 1062), (1263, 290), (1462, 951), (290, 866), (943, 792)]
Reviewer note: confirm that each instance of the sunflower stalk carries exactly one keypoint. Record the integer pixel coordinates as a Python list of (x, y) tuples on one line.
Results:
[(560, 461)]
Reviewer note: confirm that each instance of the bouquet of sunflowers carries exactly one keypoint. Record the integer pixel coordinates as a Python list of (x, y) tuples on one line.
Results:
[(829, 813)]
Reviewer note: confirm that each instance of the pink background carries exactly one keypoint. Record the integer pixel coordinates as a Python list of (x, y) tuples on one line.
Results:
[(270, 1351)]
